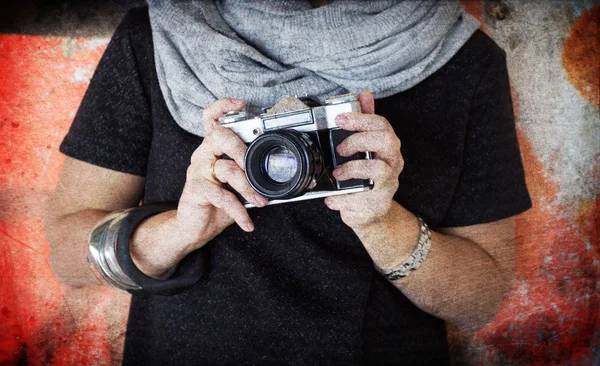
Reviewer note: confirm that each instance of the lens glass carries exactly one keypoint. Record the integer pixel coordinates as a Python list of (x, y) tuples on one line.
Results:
[(280, 164)]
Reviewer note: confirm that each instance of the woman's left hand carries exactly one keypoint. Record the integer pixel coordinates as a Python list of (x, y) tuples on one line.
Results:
[(375, 134)]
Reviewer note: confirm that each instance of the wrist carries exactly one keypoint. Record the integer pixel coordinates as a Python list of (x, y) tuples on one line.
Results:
[(381, 222), (391, 236), (395, 217), (159, 243), (414, 261)]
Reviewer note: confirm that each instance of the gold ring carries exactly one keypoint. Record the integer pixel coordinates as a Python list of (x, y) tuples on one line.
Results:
[(212, 172)]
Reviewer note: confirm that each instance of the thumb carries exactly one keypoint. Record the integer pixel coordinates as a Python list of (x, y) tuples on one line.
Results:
[(367, 102)]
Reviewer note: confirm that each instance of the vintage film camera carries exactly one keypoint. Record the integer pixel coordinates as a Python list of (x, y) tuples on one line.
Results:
[(291, 155)]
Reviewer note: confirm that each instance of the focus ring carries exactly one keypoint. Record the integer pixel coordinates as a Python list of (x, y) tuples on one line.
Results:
[(306, 157)]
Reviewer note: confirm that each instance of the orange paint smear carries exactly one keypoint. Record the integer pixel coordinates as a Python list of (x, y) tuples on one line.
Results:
[(581, 56), (474, 7), (588, 219)]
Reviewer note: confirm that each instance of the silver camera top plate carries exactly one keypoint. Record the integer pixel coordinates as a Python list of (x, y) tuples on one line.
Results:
[(303, 120)]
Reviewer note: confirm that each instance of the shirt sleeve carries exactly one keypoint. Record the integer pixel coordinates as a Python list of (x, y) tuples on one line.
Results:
[(112, 127), (491, 185)]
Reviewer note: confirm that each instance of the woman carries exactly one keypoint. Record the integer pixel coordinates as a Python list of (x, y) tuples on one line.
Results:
[(311, 281)]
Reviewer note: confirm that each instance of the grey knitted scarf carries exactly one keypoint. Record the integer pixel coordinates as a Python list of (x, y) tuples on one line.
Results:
[(261, 51)]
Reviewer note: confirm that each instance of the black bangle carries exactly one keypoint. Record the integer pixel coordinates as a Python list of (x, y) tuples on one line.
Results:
[(188, 273)]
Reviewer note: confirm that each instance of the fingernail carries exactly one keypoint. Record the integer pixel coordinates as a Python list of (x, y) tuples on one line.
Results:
[(249, 227), (341, 118), (237, 101), (336, 172)]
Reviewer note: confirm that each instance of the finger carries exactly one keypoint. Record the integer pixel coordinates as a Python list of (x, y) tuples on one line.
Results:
[(367, 102), (211, 114), (228, 202), (226, 142), (335, 203), (227, 171), (344, 202), (220, 141), (194, 172), (385, 144), (374, 169), (354, 121)]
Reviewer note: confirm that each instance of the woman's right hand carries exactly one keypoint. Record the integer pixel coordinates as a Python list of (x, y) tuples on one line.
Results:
[(206, 207)]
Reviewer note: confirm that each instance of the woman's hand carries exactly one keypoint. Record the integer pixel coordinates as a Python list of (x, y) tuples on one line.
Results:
[(206, 207), (375, 134)]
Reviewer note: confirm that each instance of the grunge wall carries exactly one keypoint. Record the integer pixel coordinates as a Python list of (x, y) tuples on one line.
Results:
[(550, 316)]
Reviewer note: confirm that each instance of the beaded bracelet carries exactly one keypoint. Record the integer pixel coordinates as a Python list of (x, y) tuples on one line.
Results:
[(415, 259)]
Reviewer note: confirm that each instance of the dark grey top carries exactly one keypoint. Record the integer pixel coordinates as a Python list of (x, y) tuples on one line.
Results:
[(301, 289)]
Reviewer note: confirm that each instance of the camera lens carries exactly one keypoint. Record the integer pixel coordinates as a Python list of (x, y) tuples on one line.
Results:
[(280, 164)]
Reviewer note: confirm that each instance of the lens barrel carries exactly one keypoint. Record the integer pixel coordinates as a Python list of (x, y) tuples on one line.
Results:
[(282, 164)]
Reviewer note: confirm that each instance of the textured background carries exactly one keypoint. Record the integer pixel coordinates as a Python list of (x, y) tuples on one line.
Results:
[(48, 52)]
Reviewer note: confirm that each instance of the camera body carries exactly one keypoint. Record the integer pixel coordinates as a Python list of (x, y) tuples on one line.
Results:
[(291, 155)]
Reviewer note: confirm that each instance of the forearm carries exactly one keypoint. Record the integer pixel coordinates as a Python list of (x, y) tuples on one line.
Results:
[(158, 245), (67, 236), (160, 242), (458, 281), (155, 246)]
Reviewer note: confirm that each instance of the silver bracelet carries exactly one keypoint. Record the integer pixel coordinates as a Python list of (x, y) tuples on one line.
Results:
[(415, 259), (101, 253)]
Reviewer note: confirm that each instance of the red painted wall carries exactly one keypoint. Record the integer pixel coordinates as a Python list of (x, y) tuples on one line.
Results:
[(42, 81)]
